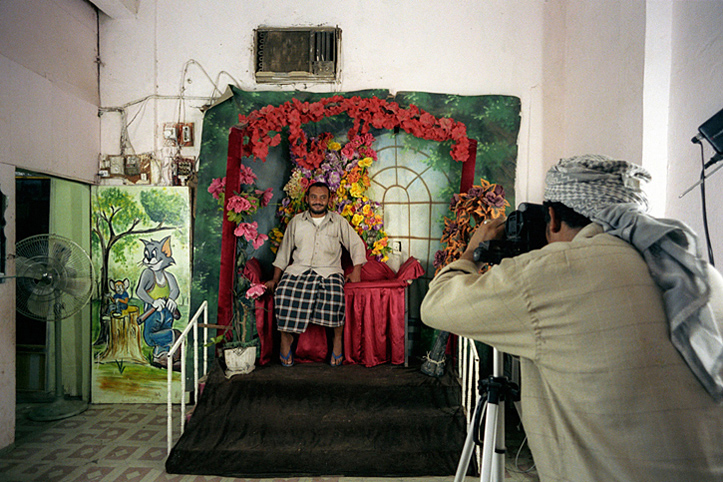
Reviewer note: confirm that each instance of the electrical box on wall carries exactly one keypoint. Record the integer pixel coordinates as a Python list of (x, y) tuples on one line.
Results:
[(179, 133), (131, 168), (116, 165), (185, 137), (286, 55), (169, 132), (183, 168)]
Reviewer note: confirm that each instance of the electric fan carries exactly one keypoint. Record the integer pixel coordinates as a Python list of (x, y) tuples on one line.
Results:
[(54, 281)]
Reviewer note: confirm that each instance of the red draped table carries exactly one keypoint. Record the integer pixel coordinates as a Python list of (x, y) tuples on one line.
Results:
[(375, 331)]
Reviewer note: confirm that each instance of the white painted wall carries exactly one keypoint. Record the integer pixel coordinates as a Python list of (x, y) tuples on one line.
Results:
[(49, 96), (696, 94), (576, 66), (459, 47), (594, 58), (603, 79), (7, 315), (48, 124)]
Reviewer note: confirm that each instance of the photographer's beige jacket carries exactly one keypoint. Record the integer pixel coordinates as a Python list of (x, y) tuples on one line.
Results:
[(605, 395)]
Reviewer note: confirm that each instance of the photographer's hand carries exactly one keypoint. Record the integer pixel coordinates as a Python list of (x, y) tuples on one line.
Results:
[(490, 229)]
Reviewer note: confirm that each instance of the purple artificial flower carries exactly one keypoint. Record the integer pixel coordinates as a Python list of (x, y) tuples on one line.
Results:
[(475, 192), (333, 180), (333, 157), (496, 196), (439, 258)]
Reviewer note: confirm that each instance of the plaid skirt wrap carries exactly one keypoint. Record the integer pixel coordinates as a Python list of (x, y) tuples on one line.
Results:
[(309, 298)]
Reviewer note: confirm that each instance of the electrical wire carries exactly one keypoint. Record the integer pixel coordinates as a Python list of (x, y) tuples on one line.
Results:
[(703, 206), (170, 149), (517, 460)]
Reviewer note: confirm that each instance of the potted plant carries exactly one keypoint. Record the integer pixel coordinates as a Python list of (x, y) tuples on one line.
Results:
[(239, 352), (239, 338)]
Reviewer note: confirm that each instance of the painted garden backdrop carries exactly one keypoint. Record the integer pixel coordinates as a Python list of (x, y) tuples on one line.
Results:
[(413, 179)]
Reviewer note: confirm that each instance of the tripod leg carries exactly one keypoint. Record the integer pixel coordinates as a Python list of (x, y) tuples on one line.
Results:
[(469, 443), (498, 367), (490, 438), (493, 450), (498, 461)]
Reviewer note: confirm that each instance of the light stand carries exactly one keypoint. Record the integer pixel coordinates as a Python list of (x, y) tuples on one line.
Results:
[(492, 390), (712, 131)]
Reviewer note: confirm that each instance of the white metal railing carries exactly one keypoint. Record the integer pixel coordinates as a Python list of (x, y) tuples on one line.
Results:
[(468, 370), (181, 344)]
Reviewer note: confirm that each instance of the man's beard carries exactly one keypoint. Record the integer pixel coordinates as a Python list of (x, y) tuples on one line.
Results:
[(318, 211)]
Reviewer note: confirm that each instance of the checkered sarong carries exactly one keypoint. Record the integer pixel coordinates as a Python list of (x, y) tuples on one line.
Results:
[(309, 298)]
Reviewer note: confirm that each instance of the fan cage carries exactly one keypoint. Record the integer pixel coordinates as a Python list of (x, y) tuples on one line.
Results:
[(54, 277)]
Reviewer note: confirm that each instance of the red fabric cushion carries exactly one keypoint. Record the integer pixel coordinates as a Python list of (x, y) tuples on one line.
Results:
[(410, 269), (373, 270)]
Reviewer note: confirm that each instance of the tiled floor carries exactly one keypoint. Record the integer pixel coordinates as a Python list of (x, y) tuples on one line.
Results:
[(127, 443)]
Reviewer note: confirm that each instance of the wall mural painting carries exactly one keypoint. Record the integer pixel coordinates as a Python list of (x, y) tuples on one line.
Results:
[(413, 179), (141, 246)]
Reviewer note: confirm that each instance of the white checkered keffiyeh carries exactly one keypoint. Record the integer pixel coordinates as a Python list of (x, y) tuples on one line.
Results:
[(588, 184), (608, 192)]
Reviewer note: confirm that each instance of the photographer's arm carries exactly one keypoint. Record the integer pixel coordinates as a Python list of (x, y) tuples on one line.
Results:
[(489, 307), (491, 229)]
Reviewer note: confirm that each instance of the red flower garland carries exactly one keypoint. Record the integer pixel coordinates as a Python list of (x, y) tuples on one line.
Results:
[(261, 128)]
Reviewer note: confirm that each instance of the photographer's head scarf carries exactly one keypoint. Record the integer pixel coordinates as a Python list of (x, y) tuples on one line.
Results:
[(608, 192)]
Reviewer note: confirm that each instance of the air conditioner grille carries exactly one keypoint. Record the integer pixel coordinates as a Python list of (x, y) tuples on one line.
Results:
[(288, 55)]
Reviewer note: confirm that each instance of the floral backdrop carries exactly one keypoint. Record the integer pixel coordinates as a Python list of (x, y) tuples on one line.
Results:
[(345, 171), (332, 151)]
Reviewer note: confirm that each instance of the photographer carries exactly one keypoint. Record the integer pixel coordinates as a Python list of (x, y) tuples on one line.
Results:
[(617, 323)]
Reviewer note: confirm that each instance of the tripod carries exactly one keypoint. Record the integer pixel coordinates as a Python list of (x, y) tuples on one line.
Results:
[(492, 390)]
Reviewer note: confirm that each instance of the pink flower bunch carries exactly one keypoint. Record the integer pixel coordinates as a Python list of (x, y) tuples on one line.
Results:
[(264, 196), (239, 204), (217, 188), (249, 231), (243, 204), (255, 291), (246, 175)]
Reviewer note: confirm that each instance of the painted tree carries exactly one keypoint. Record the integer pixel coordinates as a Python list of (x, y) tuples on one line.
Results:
[(119, 220)]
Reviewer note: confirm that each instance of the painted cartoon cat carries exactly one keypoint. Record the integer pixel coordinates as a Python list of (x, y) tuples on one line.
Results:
[(158, 289)]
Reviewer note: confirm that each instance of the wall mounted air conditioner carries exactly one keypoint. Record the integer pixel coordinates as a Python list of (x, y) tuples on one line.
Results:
[(288, 55)]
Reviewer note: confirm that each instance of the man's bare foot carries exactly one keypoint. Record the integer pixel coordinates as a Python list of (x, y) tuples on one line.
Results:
[(285, 355), (336, 360)]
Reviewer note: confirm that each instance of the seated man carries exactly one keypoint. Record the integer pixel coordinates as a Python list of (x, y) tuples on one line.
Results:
[(311, 289)]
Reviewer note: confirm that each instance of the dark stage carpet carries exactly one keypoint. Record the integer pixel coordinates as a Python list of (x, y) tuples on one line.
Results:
[(315, 420)]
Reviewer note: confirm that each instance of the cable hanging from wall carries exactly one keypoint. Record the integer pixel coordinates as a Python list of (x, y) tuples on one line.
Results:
[(168, 159)]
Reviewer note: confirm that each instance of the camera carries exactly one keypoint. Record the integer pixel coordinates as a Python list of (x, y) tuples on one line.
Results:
[(524, 231)]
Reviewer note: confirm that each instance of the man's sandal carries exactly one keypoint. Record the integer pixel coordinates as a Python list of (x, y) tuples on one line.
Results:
[(336, 360), (288, 360)]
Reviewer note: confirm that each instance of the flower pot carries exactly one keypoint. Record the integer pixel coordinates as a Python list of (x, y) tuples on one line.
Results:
[(239, 360)]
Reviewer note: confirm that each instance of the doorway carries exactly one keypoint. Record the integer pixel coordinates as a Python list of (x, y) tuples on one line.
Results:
[(32, 207), (49, 205)]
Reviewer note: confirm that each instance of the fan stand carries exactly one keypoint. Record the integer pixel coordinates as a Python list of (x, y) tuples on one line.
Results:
[(60, 408)]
